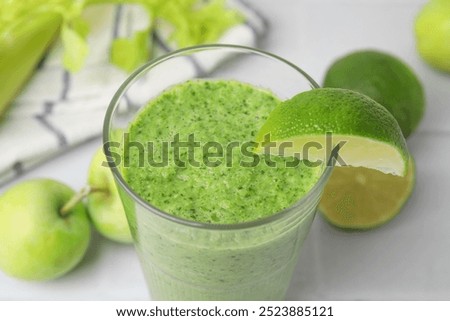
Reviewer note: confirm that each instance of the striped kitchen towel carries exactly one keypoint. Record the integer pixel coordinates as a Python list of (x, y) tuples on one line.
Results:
[(58, 110)]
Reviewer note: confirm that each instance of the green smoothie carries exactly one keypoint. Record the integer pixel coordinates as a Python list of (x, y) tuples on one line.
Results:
[(186, 262), (230, 188)]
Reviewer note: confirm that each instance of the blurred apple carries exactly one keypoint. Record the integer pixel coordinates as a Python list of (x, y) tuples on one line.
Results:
[(433, 34), (37, 240), (104, 204)]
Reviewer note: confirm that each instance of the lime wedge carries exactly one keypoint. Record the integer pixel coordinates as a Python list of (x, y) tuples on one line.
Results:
[(368, 134), (362, 198)]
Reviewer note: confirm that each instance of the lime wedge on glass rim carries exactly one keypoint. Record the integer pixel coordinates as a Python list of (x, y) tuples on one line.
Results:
[(372, 149)]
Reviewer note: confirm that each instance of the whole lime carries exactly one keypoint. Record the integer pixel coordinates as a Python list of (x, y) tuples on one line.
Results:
[(384, 78)]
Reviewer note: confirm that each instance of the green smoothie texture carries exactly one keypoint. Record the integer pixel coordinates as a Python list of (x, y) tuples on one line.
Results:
[(230, 186)]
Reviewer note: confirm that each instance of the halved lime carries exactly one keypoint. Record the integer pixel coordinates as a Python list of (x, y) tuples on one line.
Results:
[(363, 198)]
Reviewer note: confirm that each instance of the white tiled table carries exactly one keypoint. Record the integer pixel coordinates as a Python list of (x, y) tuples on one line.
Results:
[(407, 259)]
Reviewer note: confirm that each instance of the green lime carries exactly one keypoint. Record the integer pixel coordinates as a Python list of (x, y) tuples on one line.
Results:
[(377, 175), (370, 135), (362, 198), (385, 79), (433, 34)]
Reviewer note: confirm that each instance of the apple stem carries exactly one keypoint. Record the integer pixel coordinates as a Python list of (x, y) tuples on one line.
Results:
[(97, 190), (77, 198)]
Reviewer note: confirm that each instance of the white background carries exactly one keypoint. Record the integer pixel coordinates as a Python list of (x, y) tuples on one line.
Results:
[(406, 259)]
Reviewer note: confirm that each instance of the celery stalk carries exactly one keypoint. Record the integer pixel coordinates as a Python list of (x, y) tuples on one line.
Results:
[(21, 49), (27, 28)]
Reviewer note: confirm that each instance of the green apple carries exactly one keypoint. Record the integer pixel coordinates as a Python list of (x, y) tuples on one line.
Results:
[(37, 240), (104, 205), (433, 34)]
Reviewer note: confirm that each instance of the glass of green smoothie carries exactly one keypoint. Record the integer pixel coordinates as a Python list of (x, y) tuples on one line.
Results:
[(210, 221)]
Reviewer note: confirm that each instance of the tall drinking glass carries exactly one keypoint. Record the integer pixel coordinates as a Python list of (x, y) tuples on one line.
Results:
[(187, 260)]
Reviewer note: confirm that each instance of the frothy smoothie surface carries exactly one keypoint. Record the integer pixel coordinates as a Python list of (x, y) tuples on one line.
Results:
[(211, 117)]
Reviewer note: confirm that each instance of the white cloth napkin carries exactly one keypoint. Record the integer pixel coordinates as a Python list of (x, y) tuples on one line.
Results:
[(58, 110)]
